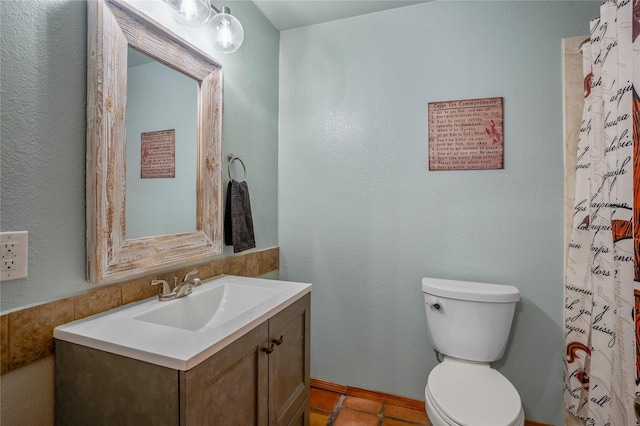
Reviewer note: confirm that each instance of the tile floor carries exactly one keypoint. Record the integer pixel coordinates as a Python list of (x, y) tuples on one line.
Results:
[(333, 409)]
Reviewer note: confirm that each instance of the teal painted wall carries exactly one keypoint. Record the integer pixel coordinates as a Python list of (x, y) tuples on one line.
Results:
[(42, 107), (361, 216)]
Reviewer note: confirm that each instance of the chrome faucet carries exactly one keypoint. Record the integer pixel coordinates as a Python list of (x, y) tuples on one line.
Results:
[(179, 290), (187, 284)]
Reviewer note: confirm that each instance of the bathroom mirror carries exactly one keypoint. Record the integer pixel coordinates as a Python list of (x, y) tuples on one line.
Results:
[(159, 168), (114, 27)]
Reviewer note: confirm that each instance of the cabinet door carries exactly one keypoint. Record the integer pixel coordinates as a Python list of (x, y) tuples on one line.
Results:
[(99, 388), (301, 418), (230, 388), (289, 362)]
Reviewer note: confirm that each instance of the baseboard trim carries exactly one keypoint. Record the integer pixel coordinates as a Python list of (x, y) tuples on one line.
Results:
[(368, 394), (386, 398)]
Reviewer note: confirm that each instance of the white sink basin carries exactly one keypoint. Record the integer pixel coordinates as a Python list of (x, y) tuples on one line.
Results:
[(210, 307), (181, 333)]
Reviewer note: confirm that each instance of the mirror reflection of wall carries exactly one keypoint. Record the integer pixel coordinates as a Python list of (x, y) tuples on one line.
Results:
[(160, 98)]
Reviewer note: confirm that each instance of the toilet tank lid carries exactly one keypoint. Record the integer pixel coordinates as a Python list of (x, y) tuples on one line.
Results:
[(473, 291)]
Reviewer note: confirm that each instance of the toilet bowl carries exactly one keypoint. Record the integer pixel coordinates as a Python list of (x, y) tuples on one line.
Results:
[(471, 394), (469, 325)]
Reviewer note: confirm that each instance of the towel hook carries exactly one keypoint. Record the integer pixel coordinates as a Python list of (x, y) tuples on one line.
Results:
[(231, 158)]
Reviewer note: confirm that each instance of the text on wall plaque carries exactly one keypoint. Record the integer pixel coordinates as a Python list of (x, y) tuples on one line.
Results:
[(466, 134), (158, 154)]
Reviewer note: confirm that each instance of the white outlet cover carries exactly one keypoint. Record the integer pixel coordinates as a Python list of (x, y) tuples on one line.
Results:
[(18, 256)]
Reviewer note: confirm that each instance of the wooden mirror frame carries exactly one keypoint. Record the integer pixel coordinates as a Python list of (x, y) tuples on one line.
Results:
[(113, 26)]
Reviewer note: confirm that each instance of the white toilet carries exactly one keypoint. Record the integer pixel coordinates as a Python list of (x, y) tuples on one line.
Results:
[(469, 326)]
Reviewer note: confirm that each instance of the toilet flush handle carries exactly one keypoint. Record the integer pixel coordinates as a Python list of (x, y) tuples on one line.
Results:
[(432, 301)]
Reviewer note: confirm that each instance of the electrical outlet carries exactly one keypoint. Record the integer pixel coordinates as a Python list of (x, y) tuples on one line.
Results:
[(13, 252)]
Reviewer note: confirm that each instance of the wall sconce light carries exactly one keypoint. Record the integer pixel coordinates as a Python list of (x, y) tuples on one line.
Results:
[(227, 30)]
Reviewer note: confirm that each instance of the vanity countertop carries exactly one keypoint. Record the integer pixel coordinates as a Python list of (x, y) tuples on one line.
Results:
[(176, 334)]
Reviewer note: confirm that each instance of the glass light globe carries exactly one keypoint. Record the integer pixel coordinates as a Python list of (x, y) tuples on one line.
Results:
[(227, 32), (191, 13)]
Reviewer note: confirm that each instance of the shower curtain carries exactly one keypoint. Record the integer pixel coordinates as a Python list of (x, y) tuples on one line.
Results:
[(602, 283)]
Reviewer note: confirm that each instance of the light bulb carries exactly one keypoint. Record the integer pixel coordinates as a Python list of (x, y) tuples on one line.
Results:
[(224, 37), (189, 10)]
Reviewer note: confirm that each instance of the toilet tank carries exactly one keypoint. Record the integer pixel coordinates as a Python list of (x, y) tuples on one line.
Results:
[(469, 320)]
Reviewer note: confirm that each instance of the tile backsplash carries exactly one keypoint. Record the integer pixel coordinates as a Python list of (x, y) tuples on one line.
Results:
[(26, 335)]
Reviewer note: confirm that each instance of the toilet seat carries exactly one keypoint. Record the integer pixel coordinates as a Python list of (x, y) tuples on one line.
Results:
[(466, 393)]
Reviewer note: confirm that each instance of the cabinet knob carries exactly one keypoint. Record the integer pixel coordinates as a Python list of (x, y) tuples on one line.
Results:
[(274, 342)]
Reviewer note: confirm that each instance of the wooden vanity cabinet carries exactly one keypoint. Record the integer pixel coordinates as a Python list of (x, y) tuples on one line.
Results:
[(254, 381), (260, 379)]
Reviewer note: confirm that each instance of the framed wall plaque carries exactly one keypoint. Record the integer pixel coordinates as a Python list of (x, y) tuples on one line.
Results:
[(158, 154), (466, 134)]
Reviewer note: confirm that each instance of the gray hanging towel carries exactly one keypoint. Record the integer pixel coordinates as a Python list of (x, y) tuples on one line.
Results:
[(238, 222)]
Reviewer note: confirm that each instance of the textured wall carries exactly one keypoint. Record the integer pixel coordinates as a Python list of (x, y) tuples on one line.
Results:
[(27, 395), (43, 98), (43, 91), (361, 216)]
